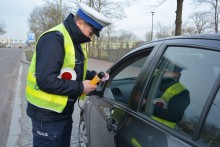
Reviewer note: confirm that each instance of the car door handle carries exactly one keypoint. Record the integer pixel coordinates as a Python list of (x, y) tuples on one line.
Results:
[(111, 125)]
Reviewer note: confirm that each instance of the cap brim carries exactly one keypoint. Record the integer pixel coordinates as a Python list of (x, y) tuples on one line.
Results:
[(96, 32)]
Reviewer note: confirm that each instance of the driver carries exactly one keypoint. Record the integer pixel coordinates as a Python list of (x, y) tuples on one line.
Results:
[(173, 98)]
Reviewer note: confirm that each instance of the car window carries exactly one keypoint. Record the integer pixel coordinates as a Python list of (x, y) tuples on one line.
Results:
[(123, 79), (179, 87), (211, 131), (131, 71)]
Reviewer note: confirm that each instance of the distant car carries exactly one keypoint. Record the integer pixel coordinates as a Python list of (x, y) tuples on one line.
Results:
[(8, 46), (121, 112), (2, 45), (19, 46)]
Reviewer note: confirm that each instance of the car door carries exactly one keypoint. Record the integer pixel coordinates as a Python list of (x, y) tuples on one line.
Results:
[(210, 133), (109, 111), (201, 63)]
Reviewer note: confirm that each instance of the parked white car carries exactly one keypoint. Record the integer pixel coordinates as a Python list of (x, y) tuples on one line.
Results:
[(8, 46)]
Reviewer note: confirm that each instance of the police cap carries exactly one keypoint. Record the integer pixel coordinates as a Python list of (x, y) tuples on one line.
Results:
[(94, 18)]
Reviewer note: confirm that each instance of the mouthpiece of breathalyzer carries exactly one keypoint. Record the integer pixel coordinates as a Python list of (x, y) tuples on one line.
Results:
[(97, 78)]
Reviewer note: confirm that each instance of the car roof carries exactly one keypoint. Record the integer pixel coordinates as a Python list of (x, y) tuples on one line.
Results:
[(215, 36)]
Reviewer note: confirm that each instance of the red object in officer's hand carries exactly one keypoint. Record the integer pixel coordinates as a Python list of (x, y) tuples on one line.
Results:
[(66, 76), (160, 104)]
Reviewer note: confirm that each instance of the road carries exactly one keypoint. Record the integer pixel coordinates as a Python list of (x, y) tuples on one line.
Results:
[(15, 127), (10, 62)]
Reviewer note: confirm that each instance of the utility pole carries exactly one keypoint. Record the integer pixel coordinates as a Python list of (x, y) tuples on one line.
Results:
[(152, 28)]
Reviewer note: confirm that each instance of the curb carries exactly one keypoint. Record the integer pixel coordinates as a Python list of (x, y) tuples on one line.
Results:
[(15, 127), (24, 58)]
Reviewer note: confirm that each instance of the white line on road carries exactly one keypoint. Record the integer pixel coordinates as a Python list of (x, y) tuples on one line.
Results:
[(15, 128)]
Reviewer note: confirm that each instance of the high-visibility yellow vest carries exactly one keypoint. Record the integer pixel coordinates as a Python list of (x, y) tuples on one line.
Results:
[(46, 100), (167, 96)]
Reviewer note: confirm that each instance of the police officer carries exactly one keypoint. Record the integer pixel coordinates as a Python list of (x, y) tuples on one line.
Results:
[(51, 96)]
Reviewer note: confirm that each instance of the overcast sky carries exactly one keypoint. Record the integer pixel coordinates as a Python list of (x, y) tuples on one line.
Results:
[(139, 17)]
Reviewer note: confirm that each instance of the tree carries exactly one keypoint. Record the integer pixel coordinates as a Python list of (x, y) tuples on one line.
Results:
[(163, 31), (112, 9), (178, 22), (148, 36), (200, 21), (125, 38), (46, 17), (2, 27), (188, 29), (214, 10)]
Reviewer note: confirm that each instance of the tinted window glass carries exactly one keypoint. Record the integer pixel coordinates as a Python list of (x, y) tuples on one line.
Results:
[(211, 132), (180, 86)]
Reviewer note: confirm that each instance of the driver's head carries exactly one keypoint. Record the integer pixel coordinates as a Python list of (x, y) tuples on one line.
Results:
[(170, 77), (173, 72)]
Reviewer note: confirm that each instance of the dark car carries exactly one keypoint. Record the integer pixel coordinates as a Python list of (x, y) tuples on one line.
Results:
[(139, 106)]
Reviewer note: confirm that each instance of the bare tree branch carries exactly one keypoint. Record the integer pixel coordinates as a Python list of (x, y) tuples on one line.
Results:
[(46, 17), (2, 27), (214, 10), (200, 20)]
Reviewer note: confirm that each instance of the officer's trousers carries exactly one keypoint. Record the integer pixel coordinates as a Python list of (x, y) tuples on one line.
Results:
[(52, 134)]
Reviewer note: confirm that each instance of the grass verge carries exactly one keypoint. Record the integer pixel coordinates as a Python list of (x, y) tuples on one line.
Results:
[(29, 55)]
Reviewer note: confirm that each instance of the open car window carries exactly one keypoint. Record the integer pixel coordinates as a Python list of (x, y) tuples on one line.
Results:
[(122, 81)]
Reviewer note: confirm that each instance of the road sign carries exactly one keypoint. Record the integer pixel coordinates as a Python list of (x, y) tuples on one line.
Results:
[(31, 37)]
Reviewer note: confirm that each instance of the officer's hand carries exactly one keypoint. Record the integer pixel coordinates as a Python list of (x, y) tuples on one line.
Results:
[(88, 87)]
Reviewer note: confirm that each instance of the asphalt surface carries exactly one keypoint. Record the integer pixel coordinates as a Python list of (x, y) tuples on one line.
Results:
[(9, 63), (20, 126)]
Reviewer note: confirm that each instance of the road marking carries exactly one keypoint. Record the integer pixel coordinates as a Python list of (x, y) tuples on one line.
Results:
[(15, 127)]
